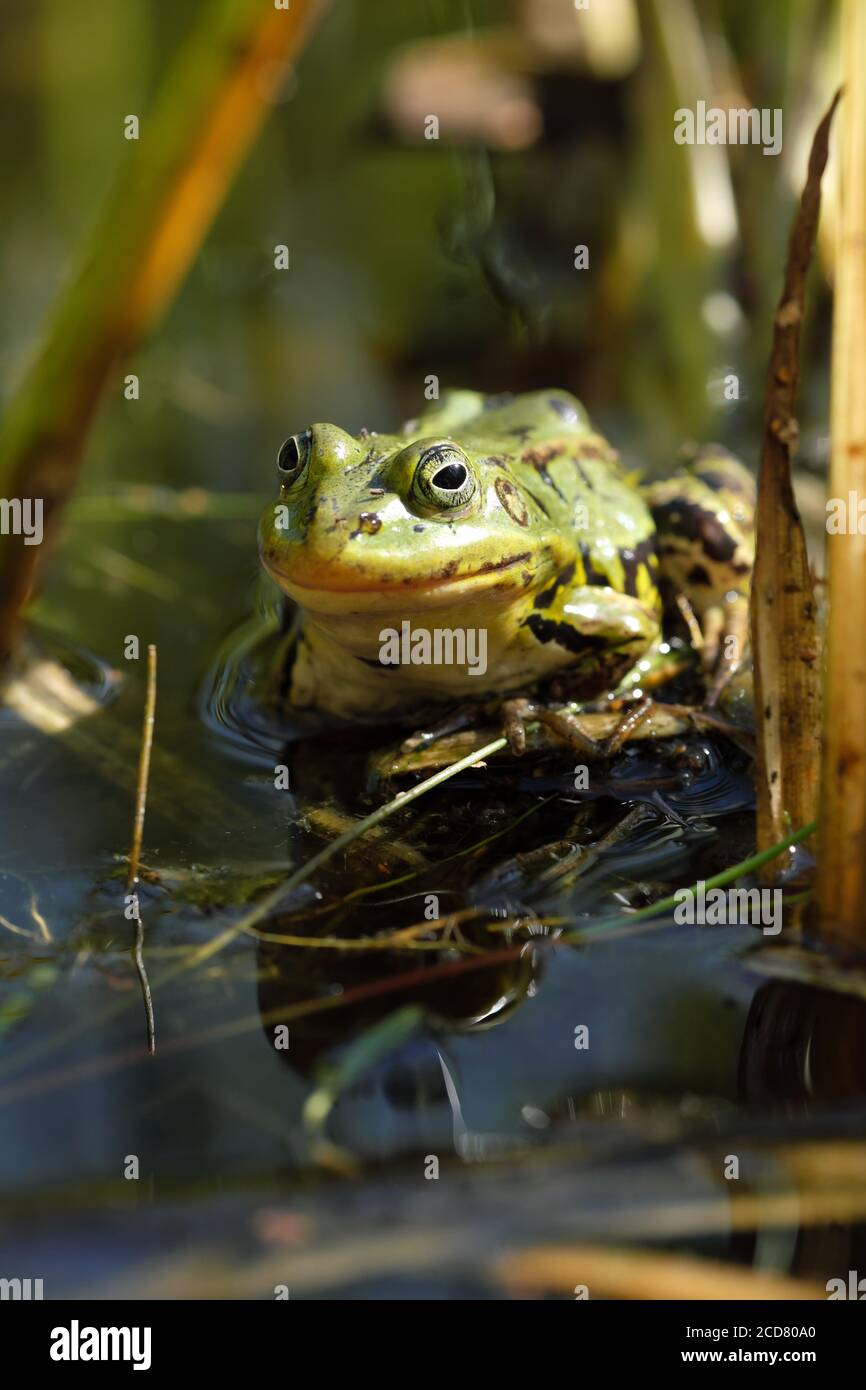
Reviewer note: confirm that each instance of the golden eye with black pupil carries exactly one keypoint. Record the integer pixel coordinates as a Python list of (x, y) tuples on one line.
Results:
[(443, 477), (293, 456)]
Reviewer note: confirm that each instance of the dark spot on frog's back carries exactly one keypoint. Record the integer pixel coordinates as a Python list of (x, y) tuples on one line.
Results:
[(539, 456), (538, 502), (584, 476), (698, 575), (682, 517), (512, 501)]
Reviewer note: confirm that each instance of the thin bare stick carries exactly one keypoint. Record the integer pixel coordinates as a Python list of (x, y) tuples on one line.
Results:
[(137, 836)]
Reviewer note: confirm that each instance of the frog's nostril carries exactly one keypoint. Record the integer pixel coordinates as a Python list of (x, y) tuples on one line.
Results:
[(452, 477)]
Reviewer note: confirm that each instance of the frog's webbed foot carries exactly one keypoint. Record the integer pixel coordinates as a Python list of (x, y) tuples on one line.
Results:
[(566, 725)]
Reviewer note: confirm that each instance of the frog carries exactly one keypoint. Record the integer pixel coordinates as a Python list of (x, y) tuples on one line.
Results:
[(493, 543)]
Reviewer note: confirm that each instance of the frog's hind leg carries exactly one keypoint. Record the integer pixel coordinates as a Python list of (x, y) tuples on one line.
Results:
[(722, 642), (604, 632), (704, 517), (727, 649)]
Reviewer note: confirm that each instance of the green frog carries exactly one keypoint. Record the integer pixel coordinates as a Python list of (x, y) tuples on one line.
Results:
[(494, 543)]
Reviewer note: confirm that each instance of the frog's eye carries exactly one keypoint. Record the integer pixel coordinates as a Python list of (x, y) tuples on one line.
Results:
[(443, 477), (293, 455)]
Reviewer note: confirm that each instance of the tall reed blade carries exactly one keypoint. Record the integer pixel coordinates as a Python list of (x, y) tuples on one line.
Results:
[(785, 639), (177, 174), (842, 890)]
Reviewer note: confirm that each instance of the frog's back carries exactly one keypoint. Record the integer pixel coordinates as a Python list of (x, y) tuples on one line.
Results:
[(512, 421), (547, 444)]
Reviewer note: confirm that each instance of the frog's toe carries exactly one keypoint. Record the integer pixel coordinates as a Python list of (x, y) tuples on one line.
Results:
[(626, 727), (514, 714), (568, 727)]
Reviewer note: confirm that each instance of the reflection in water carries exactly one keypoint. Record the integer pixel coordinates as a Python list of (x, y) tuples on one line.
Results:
[(804, 1049), (412, 1096), (507, 846)]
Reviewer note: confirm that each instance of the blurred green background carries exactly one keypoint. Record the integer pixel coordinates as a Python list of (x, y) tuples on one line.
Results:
[(453, 256)]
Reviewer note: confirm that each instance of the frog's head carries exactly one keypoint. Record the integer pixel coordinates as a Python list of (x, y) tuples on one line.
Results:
[(382, 524)]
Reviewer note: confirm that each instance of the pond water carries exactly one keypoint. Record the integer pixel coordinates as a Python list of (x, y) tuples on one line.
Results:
[(519, 1045)]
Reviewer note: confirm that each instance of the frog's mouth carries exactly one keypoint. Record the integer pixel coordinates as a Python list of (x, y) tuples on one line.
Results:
[(333, 588)]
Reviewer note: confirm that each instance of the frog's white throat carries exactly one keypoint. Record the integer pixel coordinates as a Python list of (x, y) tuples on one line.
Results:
[(384, 665)]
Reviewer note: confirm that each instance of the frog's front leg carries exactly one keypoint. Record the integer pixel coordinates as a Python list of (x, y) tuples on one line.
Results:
[(660, 664), (593, 634), (565, 723), (605, 632)]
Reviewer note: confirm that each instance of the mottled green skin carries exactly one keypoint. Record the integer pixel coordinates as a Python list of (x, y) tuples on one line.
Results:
[(704, 518), (553, 555)]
